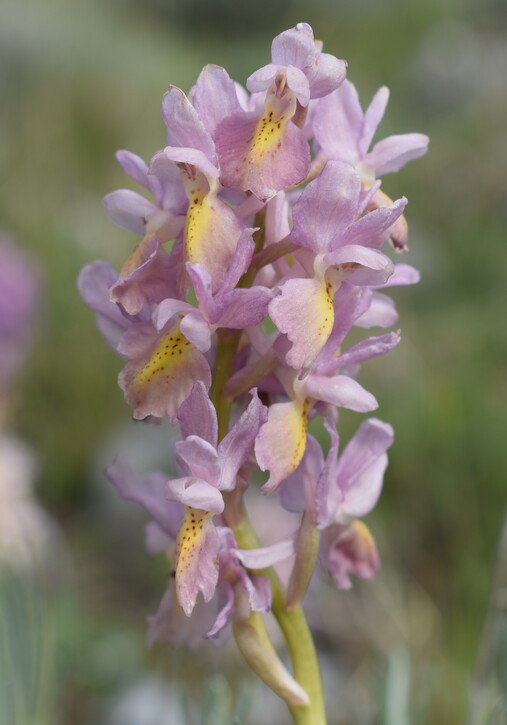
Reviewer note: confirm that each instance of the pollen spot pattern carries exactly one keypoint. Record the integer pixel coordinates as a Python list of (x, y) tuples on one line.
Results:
[(198, 223), (190, 538), (299, 430), (268, 134), (167, 358)]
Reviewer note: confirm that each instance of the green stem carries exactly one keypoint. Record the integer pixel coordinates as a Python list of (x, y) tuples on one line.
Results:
[(226, 352), (292, 622)]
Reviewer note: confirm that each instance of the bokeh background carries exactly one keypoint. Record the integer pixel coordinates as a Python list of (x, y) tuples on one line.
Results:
[(81, 79)]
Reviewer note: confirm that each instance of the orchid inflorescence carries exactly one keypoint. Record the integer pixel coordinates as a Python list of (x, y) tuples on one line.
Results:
[(260, 251)]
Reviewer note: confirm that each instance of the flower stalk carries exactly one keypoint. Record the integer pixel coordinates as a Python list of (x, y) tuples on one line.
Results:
[(241, 226)]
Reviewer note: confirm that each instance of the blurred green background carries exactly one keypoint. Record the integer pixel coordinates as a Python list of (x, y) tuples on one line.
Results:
[(81, 79)]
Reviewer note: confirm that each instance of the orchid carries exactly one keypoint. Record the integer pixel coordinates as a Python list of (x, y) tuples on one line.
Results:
[(261, 251)]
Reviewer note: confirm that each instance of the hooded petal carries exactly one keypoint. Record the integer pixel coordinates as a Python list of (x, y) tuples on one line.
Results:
[(295, 46), (197, 330), (200, 496), (325, 75)]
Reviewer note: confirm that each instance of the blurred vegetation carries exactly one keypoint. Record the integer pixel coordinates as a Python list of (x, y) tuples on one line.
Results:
[(82, 79)]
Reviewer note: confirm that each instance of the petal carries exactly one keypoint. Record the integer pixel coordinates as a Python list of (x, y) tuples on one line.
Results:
[(263, 154), (166, 183), (196, 559), (147, 277), (393, 152), (268, 555), (363, 496), (372, 229), (240, 260), (326, 489), (339, 390), (155, 540), (327, 206), (149, 492), (304, 312), (371, 441), (298, 492), (212, 232), (338, 122), (93, 285), (184, 127), (277, 225), (134, 166), (129, 209), (349, 304), (380, 313), (214, 96), (170, 625), (157, 381), (197, 415), (234, 450), (225, 612), (168, 158), (372, 118), (347, 550), (403, 274), (361, 265), (242, 308), (281, 442), (365, 350)]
